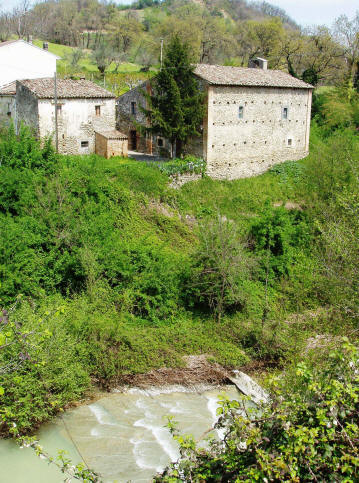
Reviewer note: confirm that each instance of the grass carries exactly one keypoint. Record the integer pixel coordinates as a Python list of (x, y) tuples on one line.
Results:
[(85, 64)]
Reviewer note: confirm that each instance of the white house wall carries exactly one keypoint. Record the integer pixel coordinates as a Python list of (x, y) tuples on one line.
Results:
[(77, 122), (244, 147), (21, 60)]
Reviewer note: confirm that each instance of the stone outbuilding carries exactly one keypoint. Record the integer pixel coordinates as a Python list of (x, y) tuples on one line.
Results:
[(83, 109), (255, 118), (111, 143)]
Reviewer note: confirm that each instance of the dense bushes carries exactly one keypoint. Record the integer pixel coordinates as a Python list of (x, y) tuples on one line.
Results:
[(308, 431), (244, 269)]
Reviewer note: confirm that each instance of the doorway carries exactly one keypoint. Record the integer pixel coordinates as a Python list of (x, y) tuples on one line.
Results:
[(133, 140)]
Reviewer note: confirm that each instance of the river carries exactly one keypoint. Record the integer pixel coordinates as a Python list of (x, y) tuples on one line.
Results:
[(122, 436)]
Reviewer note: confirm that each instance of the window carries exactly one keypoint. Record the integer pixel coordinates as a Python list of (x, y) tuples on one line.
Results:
[(285, 113), (133, 108), (9, 114), (59, 108), (240, 112), (290, 142), (98, 110), (160, 142), (84, 144)]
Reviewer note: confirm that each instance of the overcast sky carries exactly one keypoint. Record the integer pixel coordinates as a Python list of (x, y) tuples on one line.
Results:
[(304, 12)]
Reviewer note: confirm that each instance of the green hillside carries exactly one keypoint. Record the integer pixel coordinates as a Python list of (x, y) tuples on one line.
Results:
[(109, 271)]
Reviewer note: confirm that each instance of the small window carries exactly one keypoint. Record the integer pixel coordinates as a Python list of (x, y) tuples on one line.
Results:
[(84, 144), (290, 142), (9, 114), (285, 113), (98, 110), (59, 108), (160, 142), (240, 112), (133, 108)]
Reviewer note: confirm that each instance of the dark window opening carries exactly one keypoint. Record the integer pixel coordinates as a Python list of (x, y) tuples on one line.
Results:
[(133, 108), (290, 142), (160, 142), (240, 112), (9, 114), (285, 113), (84, 144), (59, 108), (98, 110)]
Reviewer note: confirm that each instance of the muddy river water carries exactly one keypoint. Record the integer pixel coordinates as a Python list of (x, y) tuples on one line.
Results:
[(121, 436)]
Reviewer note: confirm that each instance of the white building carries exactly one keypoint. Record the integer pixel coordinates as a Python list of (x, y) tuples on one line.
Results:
[(23, 60), (254, 118), (85, 120)]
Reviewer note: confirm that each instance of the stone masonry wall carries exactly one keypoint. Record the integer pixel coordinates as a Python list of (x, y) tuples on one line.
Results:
[(27, 111), (126, 122), (110, 147), (7, 104), (77, 122), (241, 147)]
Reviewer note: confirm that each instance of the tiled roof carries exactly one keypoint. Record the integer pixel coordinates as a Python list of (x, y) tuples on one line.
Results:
[(8, 89), (66, 89), (244, 76), (112, 134)]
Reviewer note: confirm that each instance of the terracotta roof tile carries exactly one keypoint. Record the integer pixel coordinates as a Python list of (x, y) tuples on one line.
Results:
[(244, 76), (112, 134), (8, 89), (66, 89)]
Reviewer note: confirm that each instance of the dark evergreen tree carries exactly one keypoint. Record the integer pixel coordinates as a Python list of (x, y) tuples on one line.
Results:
[(175, 106)]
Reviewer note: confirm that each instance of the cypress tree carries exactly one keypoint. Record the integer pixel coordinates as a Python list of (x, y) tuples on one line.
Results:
[(175, 104)]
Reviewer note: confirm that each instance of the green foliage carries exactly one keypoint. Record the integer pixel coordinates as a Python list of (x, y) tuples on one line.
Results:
[(308, 431), (221, 269), (22, 150), (176, 103), (40, 372), (278, 235), (189, 164)]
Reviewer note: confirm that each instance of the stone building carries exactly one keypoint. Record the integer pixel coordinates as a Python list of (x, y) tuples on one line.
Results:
[(7, 103), (83, 109), (255, 118)]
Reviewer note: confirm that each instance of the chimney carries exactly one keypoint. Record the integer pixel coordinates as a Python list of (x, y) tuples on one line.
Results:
[(258, 63), (45, 45)]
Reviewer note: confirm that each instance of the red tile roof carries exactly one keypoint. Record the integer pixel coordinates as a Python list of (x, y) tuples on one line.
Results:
[(245, 76), (66, 89)]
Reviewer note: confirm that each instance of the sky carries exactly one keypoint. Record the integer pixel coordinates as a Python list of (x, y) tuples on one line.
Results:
[(304, 12)]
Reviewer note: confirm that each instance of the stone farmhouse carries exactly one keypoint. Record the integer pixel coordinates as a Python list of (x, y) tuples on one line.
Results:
[(255, 118), (85, 120), (23, 60)]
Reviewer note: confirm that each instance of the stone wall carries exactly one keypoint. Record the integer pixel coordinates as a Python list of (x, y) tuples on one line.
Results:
[(110, 147), (27, 111), (245, 146), (7, 104), (126, 122), (76, 122)]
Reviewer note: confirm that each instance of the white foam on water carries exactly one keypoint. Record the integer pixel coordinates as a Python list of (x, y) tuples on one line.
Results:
[(102, 416), (161, 435), (212, 406), (178, 408)]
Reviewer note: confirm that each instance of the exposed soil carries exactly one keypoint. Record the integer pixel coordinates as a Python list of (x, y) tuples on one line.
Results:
[(197, 371)]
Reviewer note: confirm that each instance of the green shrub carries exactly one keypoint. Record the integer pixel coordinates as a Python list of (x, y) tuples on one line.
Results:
[(307, 432)]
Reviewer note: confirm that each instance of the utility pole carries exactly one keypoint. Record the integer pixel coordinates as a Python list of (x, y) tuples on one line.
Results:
[(161, 52), (55, 102)]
